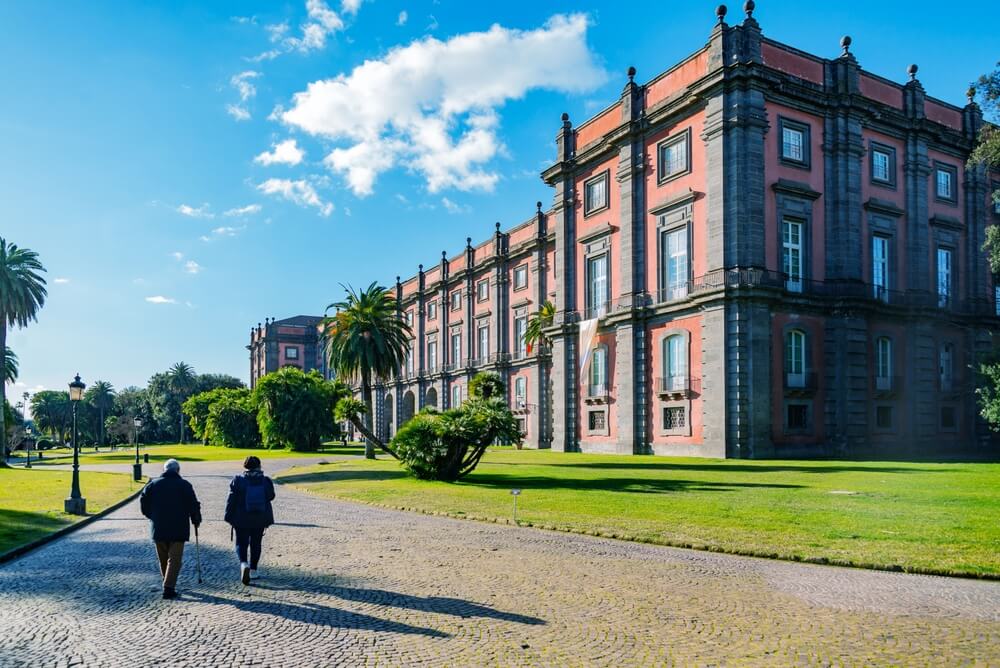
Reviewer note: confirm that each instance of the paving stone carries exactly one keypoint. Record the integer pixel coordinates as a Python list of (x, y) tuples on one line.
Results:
[(357, 585)]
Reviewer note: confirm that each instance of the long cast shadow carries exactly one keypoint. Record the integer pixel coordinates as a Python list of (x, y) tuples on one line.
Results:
[(744, 468)]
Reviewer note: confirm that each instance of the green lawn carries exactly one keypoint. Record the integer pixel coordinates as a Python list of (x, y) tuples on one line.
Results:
[(185, 453), (913, 516), (31, 501)]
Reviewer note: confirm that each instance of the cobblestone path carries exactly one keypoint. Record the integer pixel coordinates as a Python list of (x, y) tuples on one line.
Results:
[(346, 584)]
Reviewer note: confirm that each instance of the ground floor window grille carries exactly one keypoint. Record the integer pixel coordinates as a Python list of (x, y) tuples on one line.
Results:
[(798, 417), (674, 417), (597, 420), (883, 417)]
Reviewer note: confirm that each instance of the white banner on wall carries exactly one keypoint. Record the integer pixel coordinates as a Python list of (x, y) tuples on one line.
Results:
[(588, 330)]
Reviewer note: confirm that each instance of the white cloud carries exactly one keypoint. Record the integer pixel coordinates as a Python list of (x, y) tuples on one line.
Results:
[(192, 267), (300, 192), (350, 6), (452, 207), (402, 18), (428, 105), (238, 112), (195, 212), (285, 153), (177, 255), (247, 210), (277, 31), (160, 299), (226, 232), (244, 20), (60, 281), (322, 23), (243, 83)]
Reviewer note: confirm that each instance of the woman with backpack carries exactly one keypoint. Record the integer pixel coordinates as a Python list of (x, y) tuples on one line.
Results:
[(249, 512)]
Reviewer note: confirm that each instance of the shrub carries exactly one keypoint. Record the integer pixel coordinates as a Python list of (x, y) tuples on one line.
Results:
[(295, 409), (486, 384), (44, 444), (198, 405), (232, 422)]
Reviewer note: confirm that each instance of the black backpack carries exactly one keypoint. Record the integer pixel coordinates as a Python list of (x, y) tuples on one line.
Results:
[(255, 497)]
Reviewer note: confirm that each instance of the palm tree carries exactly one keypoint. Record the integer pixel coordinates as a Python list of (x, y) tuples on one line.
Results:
[(102, 395), (182, 382), (366, 341), (9, 366), (22, 294), (544, 318)]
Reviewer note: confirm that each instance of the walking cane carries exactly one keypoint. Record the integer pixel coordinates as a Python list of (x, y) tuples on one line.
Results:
[(197, 552)]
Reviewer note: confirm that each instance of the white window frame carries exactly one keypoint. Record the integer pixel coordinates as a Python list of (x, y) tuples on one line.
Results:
[(792, 253), (431, 310), (880, 267), (520, 332), (483, 290), (949, 181), (883, 363), (795, 358), (292, 349), (675, 262), (598, 373), (598, 303), (944, 271), (881, 160), (483, 342), (788, 146), (456, 300), (456, 395), (673, 157), (456, 350), (598, 184), (521, 276), (432, 355), (675, 362), (520, 391)]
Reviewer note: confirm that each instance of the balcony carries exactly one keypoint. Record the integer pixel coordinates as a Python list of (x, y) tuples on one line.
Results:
[(597, 393), (678, 387), (800, 384), (886, 386)]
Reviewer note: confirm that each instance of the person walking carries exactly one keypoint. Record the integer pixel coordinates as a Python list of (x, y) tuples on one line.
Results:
[(172, 506), (249, 512)]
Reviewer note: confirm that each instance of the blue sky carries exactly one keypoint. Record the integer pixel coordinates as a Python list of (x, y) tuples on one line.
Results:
[(130, 130)]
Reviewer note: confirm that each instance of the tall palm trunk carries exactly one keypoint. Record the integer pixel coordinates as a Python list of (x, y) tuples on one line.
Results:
[(101, 409), (366, 396), (3, 396), (181, 439)]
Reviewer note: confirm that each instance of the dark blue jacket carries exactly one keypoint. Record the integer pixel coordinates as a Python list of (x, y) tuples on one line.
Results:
[(236, 504), (169, 501)]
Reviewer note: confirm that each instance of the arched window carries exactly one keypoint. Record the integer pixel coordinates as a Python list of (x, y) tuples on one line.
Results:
[(431, 398), (795, 358), (675, 362), (599, 372)]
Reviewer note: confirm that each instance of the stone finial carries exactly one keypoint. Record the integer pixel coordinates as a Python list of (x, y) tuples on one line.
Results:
[(444, 255), (498, 226), (397, 279), (631, 73), (748, 7), (468, 242), (720, 11), (420, 268), (845, 44), (912, 71), (970, 93), (538, 207)]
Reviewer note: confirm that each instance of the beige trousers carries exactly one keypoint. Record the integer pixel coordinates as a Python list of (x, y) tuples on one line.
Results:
[(170, 555)]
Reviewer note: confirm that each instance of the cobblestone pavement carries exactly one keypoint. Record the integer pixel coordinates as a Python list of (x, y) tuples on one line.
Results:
[(347, 584)]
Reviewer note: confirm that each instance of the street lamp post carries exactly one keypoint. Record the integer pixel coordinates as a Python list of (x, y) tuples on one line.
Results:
[(27, 446), (76, 504), (137, 467)]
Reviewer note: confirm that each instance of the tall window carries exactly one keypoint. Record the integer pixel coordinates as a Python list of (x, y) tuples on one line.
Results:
[(674, 246), (520, 329), (672, 158), (880, 267), (291, 353), (432, 355), (520, 277), (791, 254), (409, 360), (883, 363), (456, 348), (946, 366), (520, 391), (795, 358), (880, 165), (943, 276), (675, 359), (794, 146), (456, 395), (595, 194), (597, 285), (432, 310), (484, 341), (944, 180), (483, 290), (456, 300), (599, 372)]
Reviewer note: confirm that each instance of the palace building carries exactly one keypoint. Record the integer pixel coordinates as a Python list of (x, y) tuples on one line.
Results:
[(759, 252), (293, 342)]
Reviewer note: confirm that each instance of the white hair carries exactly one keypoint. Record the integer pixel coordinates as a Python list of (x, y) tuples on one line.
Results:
[(171, 465)]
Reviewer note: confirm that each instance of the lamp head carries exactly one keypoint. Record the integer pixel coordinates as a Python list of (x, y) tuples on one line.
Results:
[(76, 389)]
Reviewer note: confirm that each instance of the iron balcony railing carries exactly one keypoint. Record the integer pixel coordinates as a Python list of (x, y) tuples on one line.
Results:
[(678, 384), (597, 390), (805, 381)]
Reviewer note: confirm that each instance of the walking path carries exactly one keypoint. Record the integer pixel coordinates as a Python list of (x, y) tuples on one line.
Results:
[(350, 584)]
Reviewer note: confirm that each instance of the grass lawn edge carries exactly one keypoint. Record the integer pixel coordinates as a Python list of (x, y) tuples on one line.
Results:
[(21, 550), (760, 554)]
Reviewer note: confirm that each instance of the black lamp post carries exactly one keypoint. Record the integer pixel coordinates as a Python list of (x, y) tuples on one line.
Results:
[(76, 504), (27, 446), (137, 467)]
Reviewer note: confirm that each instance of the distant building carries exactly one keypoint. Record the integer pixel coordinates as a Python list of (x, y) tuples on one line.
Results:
[(290, 342)]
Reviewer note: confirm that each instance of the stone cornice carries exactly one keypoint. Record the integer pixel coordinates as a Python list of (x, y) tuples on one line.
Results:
[(947, 222), (602, 230), (884, 207), (690, 195), (795, 188)]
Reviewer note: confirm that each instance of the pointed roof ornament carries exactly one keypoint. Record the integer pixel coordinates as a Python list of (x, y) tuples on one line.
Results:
[(845, 44), (720, 11), (631, 74), (748, 7), (912, 71)]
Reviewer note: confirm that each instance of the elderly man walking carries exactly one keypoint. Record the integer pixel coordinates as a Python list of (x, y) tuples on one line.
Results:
[(170, 503)]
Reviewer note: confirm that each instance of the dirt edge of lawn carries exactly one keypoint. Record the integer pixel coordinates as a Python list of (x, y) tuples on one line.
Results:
[(22, 550), (760, 554)]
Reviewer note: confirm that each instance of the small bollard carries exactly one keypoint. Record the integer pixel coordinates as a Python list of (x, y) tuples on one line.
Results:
[(137, 472), (145, 457), (515, 493)]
